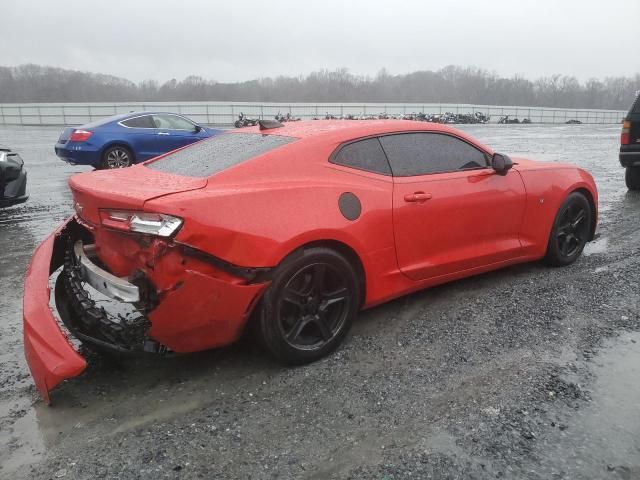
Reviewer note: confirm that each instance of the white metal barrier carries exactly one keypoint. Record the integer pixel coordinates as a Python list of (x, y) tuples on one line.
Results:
[(225, 113)]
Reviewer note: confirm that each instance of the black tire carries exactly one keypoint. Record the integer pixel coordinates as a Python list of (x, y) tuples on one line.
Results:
[(117, 157), (632, 178), (571, 231), (309, 307)]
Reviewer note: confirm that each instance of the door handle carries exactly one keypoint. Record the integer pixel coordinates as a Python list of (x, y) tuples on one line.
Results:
[(163, 133), (417, 197)]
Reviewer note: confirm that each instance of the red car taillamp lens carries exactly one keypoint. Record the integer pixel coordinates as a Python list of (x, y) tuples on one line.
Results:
[(141, 222), (80, 136)]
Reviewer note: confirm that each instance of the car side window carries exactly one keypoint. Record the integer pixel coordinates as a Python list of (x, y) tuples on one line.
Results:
[(172, 122), (364, 154), (139, 122), (412, 154)]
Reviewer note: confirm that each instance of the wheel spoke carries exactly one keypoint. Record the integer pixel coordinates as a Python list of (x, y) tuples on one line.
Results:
[(564, 246), (293, 297), (320, 321), (578, 218), (329, 298), (297, 328)]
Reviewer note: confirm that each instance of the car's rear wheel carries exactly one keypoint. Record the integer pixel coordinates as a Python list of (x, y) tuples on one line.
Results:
[(632, 178), (117, 157), (310, 305), (571, 230)]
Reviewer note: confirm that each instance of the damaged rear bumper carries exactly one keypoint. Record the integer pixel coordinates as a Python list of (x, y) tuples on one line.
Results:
[(50, 355), (195, 310)]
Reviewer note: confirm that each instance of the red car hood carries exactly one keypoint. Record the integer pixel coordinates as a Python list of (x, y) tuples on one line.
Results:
[(127, 188), (527, 164)]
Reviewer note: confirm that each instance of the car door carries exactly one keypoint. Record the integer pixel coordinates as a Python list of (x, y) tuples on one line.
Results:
[(140, 133), (174, 131), (451, 211)]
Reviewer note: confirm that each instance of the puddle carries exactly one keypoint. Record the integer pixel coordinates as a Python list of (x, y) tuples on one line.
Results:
[(598, 246), (602, 439)]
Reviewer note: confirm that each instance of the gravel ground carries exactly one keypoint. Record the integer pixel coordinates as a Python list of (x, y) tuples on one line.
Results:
[(529, 372)]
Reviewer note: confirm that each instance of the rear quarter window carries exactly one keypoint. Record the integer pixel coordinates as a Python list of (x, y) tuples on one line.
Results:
[(218, 153), (139, 122), (363, 155)]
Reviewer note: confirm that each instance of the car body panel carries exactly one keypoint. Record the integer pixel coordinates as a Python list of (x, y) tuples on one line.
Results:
[(121, 188), (13, 178), (144, 143), (250, 216), (50, 355), (472, 218), (544, 199)]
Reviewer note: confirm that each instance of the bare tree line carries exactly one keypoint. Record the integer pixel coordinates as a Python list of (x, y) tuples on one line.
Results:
[(452, 84)]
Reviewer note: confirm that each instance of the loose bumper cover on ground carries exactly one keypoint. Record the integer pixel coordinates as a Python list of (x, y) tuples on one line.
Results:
[(191, 310)]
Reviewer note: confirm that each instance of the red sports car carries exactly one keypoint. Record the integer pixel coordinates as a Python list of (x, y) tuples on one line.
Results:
[(295, 227)]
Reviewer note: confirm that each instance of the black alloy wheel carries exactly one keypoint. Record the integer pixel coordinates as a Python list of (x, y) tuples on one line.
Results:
[(571, 230), (309, 306)]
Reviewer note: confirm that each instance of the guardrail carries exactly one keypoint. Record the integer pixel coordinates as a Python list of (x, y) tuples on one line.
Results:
[(225, 113)]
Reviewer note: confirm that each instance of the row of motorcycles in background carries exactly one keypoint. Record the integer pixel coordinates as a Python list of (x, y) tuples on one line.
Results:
[(244, 121), (448, 117)]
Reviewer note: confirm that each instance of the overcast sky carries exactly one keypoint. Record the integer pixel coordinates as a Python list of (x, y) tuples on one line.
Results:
[(247, 39)]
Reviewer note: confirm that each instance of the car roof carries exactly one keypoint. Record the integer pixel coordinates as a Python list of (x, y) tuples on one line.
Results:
[(124, 116), (344, 130)]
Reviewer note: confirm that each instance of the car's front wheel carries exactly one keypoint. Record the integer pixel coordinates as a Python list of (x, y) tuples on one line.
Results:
[(310, 305), (571, 230), (632, 178), (117, 157)]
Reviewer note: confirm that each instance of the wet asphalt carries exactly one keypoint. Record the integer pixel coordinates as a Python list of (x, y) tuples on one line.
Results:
[(529, 372)]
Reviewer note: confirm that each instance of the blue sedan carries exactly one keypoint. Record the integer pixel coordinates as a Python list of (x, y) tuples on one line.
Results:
[(122, 140)]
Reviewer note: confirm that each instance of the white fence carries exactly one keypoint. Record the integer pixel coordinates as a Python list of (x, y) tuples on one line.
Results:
[(225, 113)]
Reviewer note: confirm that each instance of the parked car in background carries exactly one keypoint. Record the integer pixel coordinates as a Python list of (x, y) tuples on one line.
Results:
[(122, 140), (294, 227), (630, 146), (13, 178)]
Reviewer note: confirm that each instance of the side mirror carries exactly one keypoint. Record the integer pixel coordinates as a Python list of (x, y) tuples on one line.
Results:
[(197, 128), (501, 163)]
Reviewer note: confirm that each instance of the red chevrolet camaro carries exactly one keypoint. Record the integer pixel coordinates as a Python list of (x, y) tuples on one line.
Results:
[(295, 227)]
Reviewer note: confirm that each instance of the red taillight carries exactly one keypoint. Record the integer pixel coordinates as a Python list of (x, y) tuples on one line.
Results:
[(80, 136), (624, 135), (141, 222), (115, 219)]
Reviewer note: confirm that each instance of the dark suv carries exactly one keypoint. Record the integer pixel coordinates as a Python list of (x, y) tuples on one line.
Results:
[(630, 146)]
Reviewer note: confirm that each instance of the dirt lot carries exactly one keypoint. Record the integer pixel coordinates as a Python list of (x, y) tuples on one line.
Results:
[(529, 372)]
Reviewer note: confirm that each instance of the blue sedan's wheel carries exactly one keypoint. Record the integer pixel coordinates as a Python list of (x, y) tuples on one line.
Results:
[(117, 157)]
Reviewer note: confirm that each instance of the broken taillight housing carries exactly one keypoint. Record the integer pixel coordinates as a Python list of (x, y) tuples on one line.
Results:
[(141, 222)]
